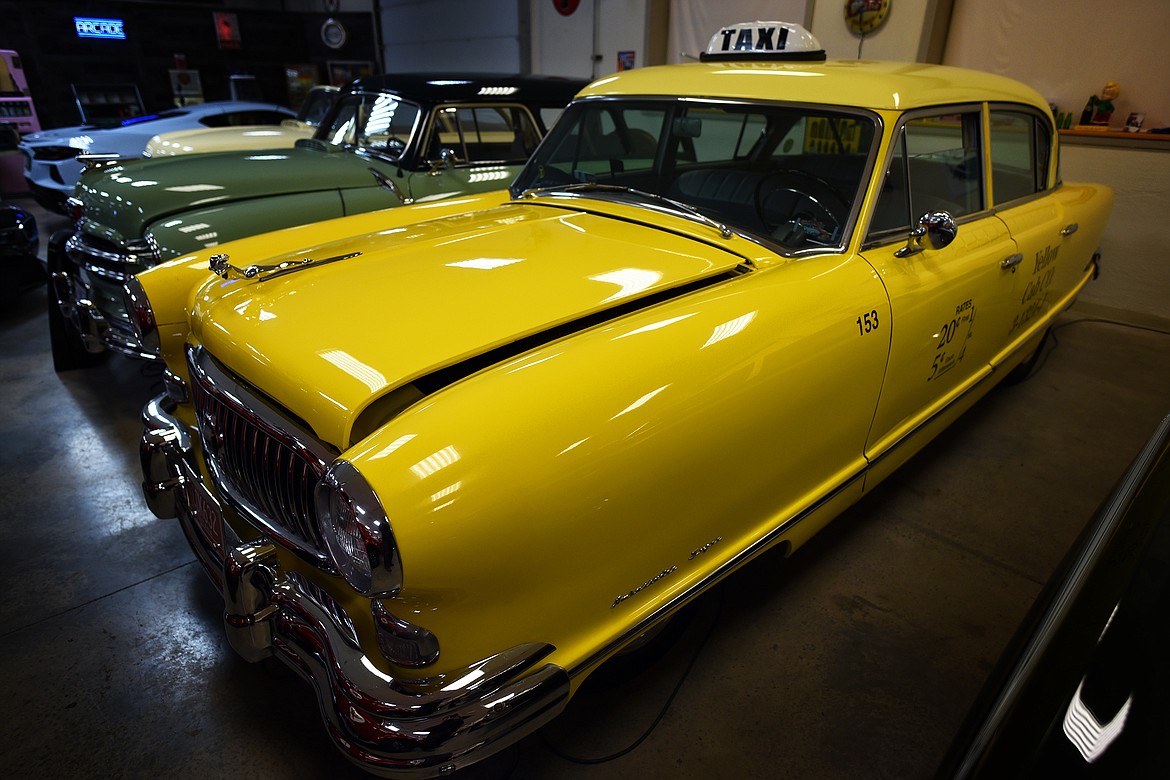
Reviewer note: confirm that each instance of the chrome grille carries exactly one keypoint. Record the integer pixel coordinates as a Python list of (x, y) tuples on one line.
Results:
[(264, 463)]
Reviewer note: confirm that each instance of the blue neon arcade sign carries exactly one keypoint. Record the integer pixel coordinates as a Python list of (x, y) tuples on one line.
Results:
[(88, 27)]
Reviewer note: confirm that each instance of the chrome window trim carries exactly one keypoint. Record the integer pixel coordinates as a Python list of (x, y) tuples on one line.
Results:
[(898, 235)]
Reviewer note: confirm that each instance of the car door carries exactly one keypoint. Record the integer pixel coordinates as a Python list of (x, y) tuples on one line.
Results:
[(949, 306), (474, 148), (1050, 263)]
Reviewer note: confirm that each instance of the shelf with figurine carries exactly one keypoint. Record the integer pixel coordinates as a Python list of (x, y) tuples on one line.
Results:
[(1095, 122)]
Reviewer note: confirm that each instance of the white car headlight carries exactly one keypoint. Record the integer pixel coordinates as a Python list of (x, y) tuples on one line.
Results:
[(357, 532)]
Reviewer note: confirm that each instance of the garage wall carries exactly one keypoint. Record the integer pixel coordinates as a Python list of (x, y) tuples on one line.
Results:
[(496, 34), (586, 43), (1084, 44), (901, 36), (454, 35), (1135, 276), (1081, 47)]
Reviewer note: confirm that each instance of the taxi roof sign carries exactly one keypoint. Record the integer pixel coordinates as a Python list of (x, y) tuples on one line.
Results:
[(763, 41)]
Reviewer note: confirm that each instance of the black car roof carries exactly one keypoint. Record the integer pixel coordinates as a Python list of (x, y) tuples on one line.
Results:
[(472, 87)]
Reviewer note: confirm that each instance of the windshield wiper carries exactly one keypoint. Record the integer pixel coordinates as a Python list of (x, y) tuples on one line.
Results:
[(594, 186)]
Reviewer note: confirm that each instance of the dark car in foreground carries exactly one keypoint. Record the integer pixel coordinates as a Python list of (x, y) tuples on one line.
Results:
[(19, 266), (1084, 688)]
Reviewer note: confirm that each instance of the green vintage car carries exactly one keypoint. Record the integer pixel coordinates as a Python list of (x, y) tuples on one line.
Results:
[(388, 140)]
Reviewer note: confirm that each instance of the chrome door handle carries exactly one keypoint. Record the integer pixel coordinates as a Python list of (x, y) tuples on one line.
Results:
[(1070, 229), (1011, 261)]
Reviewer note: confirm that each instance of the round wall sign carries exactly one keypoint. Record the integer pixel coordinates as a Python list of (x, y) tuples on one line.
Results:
[(566, 7), (333, 34), (865, 16)]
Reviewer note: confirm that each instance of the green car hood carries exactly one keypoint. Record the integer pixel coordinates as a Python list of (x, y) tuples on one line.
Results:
[(122, 200), (329, 338)]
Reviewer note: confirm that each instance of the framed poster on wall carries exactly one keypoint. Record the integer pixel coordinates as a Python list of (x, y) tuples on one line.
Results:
[(341, 72)]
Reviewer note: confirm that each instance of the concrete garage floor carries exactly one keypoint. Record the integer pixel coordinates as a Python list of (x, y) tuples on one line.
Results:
[(857, 657)]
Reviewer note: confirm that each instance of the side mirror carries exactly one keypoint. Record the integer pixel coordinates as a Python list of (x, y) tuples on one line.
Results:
[(387, 183), (935, 230), (446, 161)]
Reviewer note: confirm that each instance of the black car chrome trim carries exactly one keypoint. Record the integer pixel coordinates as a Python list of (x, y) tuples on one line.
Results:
[(1047, 655)]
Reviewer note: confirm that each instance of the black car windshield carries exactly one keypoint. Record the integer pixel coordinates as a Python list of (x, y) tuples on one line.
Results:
[(788, 174), (372, 121)]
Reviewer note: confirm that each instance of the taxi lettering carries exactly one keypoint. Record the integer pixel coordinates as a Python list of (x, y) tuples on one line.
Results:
[(763, 39), (1045, 258)]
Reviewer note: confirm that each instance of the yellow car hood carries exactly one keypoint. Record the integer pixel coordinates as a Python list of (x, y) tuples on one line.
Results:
[(326, 340)]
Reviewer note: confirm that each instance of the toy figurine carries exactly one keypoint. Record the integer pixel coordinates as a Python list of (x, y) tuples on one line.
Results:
[(1099, 109)]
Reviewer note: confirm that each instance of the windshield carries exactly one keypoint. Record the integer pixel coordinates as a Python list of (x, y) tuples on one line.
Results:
[(316, 106), (789, 174), (374, 122)]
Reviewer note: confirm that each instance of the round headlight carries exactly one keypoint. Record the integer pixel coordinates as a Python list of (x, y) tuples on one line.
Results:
[(75, 208), (357, 532)]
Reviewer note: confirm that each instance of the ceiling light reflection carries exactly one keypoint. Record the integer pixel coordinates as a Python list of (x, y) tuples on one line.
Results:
[(640, 402), (394, 445), (629, 280), (655, 326), (486, 263), (436, 462), (729, 329), (367, 375)]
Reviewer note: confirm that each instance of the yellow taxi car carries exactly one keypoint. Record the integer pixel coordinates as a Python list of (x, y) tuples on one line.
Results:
[(445, 460)]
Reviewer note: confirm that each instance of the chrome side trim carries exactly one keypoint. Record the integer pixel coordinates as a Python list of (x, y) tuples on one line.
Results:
[(761, 544)]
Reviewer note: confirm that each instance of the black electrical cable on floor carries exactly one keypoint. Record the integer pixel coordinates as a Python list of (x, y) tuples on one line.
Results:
[(562, 754), (1099, 320)]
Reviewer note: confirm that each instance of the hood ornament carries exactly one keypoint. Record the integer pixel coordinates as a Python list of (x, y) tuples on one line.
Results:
[(220, 266)]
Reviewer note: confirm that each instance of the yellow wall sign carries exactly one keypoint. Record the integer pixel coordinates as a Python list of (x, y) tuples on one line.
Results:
[(865, 16)]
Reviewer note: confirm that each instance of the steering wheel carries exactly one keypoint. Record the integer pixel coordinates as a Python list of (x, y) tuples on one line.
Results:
[(795, 205)]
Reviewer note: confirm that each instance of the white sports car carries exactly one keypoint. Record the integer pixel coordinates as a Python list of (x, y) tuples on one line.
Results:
[(51, 167)]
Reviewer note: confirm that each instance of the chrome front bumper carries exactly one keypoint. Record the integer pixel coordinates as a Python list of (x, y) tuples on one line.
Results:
[(391, 727), (87, 289)]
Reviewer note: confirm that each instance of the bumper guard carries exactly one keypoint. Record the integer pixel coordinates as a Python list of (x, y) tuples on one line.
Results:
[(393, 727)]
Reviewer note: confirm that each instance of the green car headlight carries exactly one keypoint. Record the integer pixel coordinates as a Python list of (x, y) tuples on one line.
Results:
[(357, 532), (141, 316)]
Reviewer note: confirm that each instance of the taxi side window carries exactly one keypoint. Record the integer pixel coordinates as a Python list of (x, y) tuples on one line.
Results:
[(1021, 147), (485, 133), (935, 167)]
